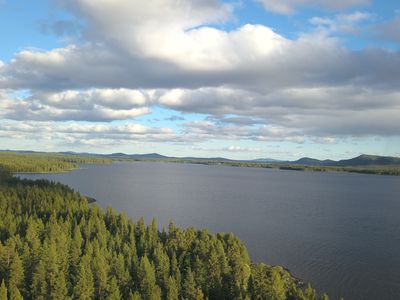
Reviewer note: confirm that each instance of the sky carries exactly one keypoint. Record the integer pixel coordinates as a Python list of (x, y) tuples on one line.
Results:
[(207, 78)]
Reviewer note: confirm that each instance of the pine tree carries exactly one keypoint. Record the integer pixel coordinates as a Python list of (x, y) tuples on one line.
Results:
[(147, 280), (55, 277), (100, 271), (75, 252), (310, 293), (174, 270), (135, 296), (277, 291), (140, 232), (15, 294), (84, 289), (172, 289), (39, 284), (324, 297), (162, 267), (16, 277), (113, 292), (120, 272), (31, 251), (189, 288), (152, 234), (3, 291)]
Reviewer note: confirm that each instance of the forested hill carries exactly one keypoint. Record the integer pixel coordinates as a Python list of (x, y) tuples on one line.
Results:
[(54, 245), (361, 160), (369, 160)]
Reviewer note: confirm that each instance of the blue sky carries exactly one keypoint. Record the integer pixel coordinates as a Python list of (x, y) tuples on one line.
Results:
[(242, 79)]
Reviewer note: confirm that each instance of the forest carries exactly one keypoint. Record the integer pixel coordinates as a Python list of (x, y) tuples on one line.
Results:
[(45, 163), (55, 245)]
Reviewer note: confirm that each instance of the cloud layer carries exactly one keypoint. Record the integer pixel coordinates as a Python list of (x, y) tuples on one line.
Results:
[(290, 6), (250, 81)]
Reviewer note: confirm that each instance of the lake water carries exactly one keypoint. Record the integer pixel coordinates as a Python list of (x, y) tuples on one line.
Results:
[(340, 231)]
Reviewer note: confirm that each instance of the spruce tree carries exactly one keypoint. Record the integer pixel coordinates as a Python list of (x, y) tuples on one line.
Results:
[(147, 280), (100, 271), (190, 289), (3, 291), (172, 289), (55, 276), (113, 292), (39, 285), (15, 294), (16, 277), (84, 289)]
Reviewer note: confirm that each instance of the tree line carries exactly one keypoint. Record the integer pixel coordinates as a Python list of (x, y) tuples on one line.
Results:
[(45, 163)]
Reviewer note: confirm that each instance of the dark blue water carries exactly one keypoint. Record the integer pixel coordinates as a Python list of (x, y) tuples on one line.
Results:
[(340, 231)]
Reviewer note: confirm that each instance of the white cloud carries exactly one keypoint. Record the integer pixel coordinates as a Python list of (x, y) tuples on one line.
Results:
[(110, 98), (83, 133), (313, 111), (159, 29), (290, 6), (89, 105), (326, 140), (252, 82), (343, 23), (206, 130), (241, 149)]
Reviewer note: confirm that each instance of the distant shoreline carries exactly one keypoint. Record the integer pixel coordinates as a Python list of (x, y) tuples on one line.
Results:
[(373, 170)]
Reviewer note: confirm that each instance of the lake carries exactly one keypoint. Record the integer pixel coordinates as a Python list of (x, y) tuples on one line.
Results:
[(341, 231)]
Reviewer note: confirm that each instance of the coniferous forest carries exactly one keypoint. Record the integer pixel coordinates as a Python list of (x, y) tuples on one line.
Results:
[(55, 245), (45, 163)]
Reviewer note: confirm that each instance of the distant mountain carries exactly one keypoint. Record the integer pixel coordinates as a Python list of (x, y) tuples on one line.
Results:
[(362, 160), (312, 162), (369, 160), (307, 161), (136, 156), (205, 158)]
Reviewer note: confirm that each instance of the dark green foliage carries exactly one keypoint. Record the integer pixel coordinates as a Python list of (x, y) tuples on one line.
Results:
[(54, 245)]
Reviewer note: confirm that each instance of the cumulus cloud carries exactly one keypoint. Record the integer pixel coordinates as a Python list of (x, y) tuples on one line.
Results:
[(166, 29), (90, 105), (206, 130), (84, 133), (313, 111), (251, 82), (290, 6)]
